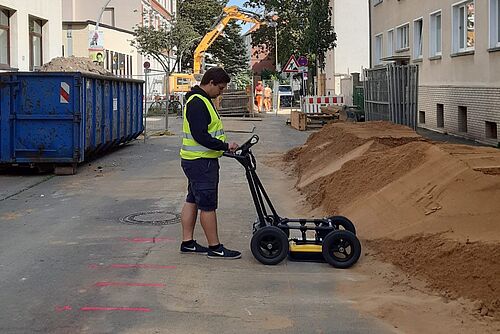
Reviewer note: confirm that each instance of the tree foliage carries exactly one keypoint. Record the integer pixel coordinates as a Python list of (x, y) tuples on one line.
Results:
[(227, 49), (303, 26), (291, 17), (319, 35), (164, 43)]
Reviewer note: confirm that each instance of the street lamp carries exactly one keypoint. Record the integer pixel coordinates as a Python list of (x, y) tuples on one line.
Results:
[(101, 13), (99, 18), (274, 24)]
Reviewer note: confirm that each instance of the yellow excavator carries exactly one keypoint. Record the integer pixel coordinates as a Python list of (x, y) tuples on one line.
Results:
[(182, 82)]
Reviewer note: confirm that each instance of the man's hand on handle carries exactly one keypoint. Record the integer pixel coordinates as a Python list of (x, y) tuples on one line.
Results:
[(233, 147)]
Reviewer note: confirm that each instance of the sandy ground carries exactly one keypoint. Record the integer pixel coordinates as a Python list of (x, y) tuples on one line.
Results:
[(427, 215)]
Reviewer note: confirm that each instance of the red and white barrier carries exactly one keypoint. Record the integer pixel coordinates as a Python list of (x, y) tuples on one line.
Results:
[(312, 104)]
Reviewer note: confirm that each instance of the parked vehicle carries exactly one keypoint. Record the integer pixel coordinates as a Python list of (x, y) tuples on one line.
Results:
[(57, 120)]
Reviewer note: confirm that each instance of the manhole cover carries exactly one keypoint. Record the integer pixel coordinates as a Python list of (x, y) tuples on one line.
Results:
[(157, 217)]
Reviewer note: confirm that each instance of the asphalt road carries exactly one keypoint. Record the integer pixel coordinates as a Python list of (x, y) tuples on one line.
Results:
[(68, 265)]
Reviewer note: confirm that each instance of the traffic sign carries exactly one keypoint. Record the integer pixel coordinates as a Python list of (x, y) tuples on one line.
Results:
[(302, 61), (147, 65), (291, 66)]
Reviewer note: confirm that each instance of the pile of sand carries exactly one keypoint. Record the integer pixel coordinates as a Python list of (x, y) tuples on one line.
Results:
[(341, 162), (456, 269), (74, 64), (431, 209)]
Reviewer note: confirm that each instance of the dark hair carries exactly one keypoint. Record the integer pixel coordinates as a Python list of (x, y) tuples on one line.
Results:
[(215, 74)]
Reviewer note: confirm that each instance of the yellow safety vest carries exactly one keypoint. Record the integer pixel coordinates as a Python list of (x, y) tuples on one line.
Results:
[(191, 149)]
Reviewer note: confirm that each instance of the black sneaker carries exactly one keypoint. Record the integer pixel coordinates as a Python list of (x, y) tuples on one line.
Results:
[(223, 253), (194, 248)]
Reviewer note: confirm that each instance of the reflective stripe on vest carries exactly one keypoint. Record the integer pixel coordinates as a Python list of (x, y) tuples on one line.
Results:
[(213, 134), (191, 149)]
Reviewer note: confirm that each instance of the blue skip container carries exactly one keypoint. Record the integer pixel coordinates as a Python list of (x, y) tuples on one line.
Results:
[(59, 119)]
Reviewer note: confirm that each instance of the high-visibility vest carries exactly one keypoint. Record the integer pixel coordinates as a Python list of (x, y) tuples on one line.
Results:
[(191, 149)]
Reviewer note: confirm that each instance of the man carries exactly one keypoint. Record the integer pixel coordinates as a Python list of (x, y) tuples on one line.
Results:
[(267, 98), (203, 143), (259, 90)]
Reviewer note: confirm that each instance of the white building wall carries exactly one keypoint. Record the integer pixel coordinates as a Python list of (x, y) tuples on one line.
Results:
[(127, 15), (50, 11), (451, 82), (352, 53)]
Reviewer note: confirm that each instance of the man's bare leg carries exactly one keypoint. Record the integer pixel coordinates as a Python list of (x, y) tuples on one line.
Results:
[(189, 214), (208, 221)]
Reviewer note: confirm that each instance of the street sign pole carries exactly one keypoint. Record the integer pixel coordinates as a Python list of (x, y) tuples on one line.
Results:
[(147, 65), (145, 101), (168, 99)]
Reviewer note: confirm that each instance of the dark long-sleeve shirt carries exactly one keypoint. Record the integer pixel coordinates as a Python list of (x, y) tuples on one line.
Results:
[(199, 118)]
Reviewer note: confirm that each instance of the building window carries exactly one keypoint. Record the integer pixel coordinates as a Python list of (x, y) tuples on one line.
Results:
[(35, 26), (421, 117), (463, 27), (491, 130), (378, 49), (417, 38), (440, 115), (390, 42), (402, 37), (462, 119), (435, 34), (4, 38), (494, 23)]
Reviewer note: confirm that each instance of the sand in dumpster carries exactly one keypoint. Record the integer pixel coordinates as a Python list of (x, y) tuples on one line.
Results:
[(74, 64), (431, 209)]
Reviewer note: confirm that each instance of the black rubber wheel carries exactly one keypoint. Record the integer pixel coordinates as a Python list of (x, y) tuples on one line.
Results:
[(342, 223), (269, 245), (175, 108), (341, 249)]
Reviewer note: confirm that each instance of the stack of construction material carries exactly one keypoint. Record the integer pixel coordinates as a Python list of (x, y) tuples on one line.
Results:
[(234, 103)]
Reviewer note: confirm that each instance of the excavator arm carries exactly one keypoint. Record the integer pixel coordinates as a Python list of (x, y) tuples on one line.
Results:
[(229, 13)]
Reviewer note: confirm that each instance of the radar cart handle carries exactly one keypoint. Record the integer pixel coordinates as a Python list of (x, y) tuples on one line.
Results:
[(244, 148)]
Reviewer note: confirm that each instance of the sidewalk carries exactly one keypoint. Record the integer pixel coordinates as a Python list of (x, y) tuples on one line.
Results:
[(446, 138)]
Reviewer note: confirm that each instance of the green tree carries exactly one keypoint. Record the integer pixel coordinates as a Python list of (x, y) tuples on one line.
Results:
[(231, 51), (319, 35), (303, 26), (292, 19), (227, 49), (242, 79), (161, 44)]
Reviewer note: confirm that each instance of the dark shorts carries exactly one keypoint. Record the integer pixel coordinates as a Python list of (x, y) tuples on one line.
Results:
[(203, 182)]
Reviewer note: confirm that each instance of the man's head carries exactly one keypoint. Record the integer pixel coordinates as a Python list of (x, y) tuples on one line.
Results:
[(214, 81), (99, 56)]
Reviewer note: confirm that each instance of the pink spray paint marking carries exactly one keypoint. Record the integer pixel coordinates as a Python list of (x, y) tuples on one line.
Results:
[(102, 284), (148, 240), (123, 266), (129, 309), (142, 266), (63, 308)]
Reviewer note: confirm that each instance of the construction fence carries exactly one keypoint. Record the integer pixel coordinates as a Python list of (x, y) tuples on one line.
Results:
[(390, 94), (160, 107)]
